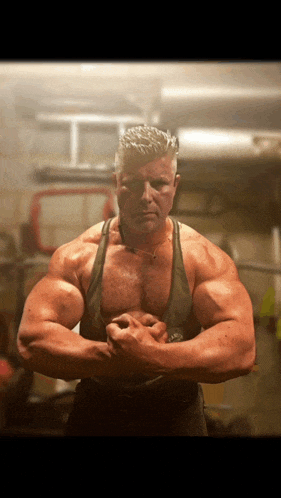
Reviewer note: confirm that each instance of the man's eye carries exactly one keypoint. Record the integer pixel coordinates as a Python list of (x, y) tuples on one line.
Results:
[(137, 185), (132, 185), (158, 184)]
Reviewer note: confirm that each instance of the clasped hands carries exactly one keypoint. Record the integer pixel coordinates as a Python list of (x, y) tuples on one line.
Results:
[(131, 340)]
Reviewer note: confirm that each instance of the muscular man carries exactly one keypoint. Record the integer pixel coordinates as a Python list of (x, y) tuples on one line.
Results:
[(162, 309)]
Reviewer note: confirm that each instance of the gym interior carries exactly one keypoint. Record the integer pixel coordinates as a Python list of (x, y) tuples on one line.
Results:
[(60, 123)]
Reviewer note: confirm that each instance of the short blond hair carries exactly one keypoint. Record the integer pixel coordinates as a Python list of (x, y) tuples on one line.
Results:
[(142, 144)]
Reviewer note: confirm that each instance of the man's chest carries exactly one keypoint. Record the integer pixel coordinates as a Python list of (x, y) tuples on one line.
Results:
[(136, 282)]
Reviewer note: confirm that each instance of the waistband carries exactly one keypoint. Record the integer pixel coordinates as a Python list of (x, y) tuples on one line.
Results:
[(166, 389)]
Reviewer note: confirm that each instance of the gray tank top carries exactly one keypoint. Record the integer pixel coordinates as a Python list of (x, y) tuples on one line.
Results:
[(179, 317), (179, 308), (181, 326)]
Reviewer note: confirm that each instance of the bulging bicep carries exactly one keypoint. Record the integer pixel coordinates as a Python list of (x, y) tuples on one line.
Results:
[(218, 294), (220, 300), (56, 298)]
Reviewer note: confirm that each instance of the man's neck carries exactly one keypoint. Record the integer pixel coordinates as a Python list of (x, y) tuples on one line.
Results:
[(144, 240)]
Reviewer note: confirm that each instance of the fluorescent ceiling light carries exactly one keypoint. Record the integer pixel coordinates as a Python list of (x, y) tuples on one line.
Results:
[(218, 143), (206, 137), (182, 92)]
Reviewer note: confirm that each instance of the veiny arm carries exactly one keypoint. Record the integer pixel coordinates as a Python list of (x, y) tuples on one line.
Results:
[(226, 347), (46, 342)]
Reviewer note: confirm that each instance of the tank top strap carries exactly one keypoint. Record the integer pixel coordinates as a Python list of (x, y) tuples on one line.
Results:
[(180, 300), (95, 289)]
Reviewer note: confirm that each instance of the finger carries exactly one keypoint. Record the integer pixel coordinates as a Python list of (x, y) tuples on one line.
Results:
[(124, 320), (113, 330), (111, 345), (159, 332), (159, 326), (149, 320), (160, 337)]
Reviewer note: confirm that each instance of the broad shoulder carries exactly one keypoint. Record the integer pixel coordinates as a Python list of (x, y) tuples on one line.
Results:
[(203, 258), (70, 257)]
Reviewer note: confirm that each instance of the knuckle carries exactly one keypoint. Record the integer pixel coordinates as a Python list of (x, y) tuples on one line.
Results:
[(147, 320), (123, 320), (110, 328), (161, 326), (126, 316)]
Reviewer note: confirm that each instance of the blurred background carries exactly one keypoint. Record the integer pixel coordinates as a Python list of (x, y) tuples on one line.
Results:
[(59, 129)]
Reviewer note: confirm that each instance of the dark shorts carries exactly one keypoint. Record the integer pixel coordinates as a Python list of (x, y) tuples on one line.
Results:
[(173, 409)]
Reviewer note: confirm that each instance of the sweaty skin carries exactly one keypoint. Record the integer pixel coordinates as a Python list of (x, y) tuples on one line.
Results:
[(158, 329), (135, 284)]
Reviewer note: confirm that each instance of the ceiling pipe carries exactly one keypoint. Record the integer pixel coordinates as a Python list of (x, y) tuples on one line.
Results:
[(90, 118), (228, 144), (184, 93)]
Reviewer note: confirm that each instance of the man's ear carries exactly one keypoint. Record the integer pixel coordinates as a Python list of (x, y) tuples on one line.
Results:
[(177, 180)]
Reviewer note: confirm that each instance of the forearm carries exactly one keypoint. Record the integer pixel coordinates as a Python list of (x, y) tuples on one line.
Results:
[(60, 353), (215, 355)]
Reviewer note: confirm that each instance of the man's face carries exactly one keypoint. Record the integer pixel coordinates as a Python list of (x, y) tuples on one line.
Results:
[(145, 194)]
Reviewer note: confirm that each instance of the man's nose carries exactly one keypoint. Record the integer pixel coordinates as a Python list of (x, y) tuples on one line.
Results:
[(147, 192)]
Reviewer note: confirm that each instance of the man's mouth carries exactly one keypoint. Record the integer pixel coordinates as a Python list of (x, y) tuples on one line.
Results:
[(146, 213)]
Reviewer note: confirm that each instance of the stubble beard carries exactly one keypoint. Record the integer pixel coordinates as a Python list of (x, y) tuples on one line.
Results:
[(142, 227)]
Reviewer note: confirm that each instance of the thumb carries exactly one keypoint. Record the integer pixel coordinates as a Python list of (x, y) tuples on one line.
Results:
[(112, 329)]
